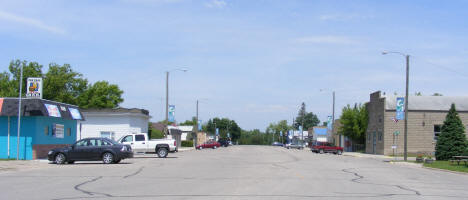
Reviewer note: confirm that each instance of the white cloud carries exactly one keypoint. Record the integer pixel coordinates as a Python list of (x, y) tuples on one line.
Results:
[(342, 17), (216, 4), (327, 39), (30, 22)]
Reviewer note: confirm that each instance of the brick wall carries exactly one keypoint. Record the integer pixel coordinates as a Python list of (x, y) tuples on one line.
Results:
[(40, 150), (376, 110)]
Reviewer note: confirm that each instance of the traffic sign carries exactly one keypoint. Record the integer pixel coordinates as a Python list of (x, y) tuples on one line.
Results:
[(396, 133)]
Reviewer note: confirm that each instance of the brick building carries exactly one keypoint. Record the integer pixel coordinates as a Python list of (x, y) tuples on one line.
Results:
[(426, 115)]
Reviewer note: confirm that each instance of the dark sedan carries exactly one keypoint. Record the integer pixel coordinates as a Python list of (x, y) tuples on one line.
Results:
[(91, 149)]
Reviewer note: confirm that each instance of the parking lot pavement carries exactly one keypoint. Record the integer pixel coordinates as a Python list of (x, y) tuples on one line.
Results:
[(236, 172)]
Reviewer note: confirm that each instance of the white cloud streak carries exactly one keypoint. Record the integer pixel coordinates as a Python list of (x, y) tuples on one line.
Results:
[(30, 22), (342, 17), (327, 39), (216, 4)]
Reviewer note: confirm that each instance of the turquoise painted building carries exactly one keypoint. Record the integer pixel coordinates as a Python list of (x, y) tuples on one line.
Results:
[(44, 125)]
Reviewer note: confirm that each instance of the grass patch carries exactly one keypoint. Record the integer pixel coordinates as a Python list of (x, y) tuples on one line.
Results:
[(447, 166)]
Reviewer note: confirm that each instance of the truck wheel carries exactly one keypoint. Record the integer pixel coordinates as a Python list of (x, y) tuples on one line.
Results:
[(321, 151), (107, 158), (214, 147), (200, 148), (162, 152), (339, 152)]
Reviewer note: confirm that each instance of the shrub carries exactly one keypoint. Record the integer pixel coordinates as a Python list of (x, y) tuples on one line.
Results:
[(187, 143)]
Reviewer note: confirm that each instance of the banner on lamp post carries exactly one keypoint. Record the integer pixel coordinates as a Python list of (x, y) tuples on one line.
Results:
[(400, 108), (329, 123), (199, 125), (171, 113)]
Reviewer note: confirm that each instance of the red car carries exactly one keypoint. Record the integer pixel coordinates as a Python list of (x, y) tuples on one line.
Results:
[(209, 144), (326, 147)]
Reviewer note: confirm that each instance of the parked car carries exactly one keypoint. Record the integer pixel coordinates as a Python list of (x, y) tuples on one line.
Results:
[(209, 144), (326, 147), (294, 146), (141, 144), (224, 142), (277, 144), (91, 149)]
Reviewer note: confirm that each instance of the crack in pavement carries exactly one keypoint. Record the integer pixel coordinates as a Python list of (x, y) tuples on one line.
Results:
[(77, 187), (360, 177), (135, 173)]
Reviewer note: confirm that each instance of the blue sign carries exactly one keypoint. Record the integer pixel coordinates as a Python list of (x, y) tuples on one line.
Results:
[(217, 131), (400, 108), (329, 123), (300, 128), (281, 133), (171, 113), (199, 125)]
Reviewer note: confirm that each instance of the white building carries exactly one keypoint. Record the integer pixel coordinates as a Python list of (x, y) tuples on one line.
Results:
[(112, 123)]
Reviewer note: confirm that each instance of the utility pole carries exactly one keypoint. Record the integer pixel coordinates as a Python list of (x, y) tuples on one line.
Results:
[(406, 110), (196, 125), (167, 100), (19, 113), (333, 120)]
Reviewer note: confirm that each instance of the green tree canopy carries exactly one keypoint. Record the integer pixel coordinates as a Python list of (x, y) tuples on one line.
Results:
[(354, 122), (101, 95), (224, 125), (308, 119), (61, 84), (452, 138)]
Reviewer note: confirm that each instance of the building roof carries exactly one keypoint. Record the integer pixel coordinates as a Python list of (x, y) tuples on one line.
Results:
[(430, 103), (182, 128), (39, 107), (116, 110)]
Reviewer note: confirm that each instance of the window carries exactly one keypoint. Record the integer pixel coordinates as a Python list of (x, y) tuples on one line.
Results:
[(46, 130), (108, 134), (380, 118), (128, 138), (380, 135), (437, 130), (69, 131), (82, 143), (139, 138)]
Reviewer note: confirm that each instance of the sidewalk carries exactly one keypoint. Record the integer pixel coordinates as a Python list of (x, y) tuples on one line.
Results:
[(182, 149), (375, 156)]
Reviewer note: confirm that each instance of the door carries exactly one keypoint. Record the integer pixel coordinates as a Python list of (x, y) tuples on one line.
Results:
[(140, 143), (79, 150), (128, 140), (374, 142)]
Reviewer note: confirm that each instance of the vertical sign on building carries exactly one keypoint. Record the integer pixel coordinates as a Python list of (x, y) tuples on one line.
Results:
[(199, 125), (400, 108), (217, 131), (171, 113), (34, 88)]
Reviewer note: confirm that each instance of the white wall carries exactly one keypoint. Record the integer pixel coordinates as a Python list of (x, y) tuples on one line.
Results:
[(121, 124)]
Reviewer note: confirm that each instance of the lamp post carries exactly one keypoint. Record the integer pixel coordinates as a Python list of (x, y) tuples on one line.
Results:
[(167, 92), (333, 116), (19, 113), (405, 148)]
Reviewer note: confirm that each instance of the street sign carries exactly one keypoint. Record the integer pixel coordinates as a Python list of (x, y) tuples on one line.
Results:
[(396, 133), (34, 88), (217, 131), (394, 146), (281, 133), (400, 108)]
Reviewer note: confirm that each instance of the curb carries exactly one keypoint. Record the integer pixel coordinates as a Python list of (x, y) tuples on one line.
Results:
[(444, 170)]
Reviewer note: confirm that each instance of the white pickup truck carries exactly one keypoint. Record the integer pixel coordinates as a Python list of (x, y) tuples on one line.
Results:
[(141, 144)]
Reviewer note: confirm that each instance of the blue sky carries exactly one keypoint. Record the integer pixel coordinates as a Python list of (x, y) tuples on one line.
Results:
[(252, 61)]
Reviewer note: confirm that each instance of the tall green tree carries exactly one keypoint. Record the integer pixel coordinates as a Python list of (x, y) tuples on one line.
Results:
[(354, 122), (62, 84), (101, 95), (9, 81), (277, 128), (307, 119), (452, 138), (224, 125)]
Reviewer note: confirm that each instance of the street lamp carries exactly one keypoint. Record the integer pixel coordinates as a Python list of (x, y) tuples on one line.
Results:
[(333, 116), (167, 91), (405, 154)]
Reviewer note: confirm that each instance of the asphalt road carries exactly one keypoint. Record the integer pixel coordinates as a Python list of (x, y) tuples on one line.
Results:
[(238, 172)]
